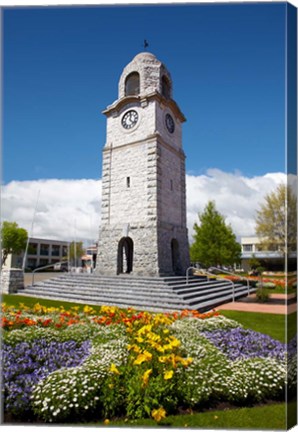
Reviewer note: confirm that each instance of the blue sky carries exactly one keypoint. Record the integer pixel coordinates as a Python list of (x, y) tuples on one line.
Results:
[(61, 68)]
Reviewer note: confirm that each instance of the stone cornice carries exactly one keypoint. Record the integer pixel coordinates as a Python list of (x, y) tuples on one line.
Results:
[(153, 137), (143, 101)]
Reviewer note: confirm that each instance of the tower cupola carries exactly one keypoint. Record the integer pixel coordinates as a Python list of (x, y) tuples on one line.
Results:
[(145, 75)]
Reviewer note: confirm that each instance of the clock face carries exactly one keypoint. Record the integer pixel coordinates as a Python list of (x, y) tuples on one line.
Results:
[(130, 119), (170, 123)]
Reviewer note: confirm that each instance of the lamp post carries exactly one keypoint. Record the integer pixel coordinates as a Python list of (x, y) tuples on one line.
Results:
[(30, 234)]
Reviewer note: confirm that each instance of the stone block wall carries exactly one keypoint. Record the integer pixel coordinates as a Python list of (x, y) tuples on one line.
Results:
[(11, 280), (145, 257)]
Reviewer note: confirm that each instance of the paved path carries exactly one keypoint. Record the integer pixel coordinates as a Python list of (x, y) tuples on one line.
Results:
[(262, 307)]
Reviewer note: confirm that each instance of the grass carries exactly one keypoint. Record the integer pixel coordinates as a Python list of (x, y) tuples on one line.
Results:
[(271, 416), (15, 300), (272, 324)]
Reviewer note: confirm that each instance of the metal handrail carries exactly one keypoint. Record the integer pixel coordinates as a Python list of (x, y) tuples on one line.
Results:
[(44, 267), (234, 274), (187, 273), (208, 274)]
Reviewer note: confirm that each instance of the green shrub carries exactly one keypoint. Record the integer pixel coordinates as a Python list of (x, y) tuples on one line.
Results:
[(262, 295)]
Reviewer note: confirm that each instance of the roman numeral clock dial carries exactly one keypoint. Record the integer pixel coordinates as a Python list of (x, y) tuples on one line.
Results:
[(130, 119), (170, 123)]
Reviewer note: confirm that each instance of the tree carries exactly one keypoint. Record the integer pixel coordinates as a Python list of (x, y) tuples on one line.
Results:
[(253, 262), (76, 251), (14, 239), (276, 221), (214, 241)]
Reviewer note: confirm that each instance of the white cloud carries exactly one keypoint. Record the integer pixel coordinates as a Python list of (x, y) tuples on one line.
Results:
[(66, 209), (236, 197), (71, 208)]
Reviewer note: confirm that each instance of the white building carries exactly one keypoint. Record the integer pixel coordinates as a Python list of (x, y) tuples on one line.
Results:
[(41, 252), (273, 259)]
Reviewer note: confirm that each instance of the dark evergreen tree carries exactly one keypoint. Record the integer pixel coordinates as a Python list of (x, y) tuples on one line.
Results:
[(214, 242)]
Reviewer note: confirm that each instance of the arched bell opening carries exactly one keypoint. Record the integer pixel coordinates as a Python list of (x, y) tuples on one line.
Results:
[(132, 84), (125, 256)]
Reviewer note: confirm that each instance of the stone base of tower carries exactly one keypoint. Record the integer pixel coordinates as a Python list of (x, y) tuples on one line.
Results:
[(143, 250), (173, 250)]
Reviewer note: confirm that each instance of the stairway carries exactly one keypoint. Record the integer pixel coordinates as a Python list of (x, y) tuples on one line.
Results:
[(144, 293)]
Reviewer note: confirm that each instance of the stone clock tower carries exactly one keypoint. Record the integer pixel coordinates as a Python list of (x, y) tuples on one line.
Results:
[(143, 217)]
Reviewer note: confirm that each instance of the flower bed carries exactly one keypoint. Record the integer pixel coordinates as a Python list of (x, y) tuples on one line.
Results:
[(67, 365)]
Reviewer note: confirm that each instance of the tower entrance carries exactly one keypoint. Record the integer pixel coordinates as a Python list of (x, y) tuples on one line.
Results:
[(125, 255), (176, 264)]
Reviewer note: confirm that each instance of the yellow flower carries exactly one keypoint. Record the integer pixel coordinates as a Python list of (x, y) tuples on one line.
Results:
[(88, 310), (158, 414), (174, 342), (168, 375), (146, 375), (153, 337), (186, 362), (114, 369), (145, 356), (135, 348), (145, 329)]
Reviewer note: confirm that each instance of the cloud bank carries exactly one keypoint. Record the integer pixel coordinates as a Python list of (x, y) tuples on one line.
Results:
[(70, 209)]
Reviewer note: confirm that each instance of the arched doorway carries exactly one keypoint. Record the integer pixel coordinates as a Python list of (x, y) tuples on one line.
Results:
[(176, 265), (125, 255)]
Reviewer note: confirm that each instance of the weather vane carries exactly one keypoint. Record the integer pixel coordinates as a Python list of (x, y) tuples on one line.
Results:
[(146, 44)]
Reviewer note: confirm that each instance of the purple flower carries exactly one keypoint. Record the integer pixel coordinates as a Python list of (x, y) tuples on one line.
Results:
[(239, 343), (27, 363)]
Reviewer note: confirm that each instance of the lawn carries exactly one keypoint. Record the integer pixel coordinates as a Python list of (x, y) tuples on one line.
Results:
[(70, 363), (261, 417), (272, 324)]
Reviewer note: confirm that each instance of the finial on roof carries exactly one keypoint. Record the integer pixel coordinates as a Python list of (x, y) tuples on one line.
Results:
[(146, 44)]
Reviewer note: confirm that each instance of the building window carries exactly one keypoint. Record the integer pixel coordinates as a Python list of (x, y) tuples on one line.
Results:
[(32, 249), (132, 84), (44, 249), (64, 251), (128, 182), (247, 248), (55, 250), (31, 263)]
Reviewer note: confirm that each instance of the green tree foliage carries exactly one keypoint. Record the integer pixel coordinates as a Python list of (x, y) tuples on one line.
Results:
[(13, 238), (276, 221), (214, 241), (76, 251), (253, 262)]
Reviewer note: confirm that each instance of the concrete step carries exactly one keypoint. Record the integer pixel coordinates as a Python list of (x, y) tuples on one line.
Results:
[(160, 294), (106, 299), (205, 289), (204, 306), (113, 292), (193, 299)]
